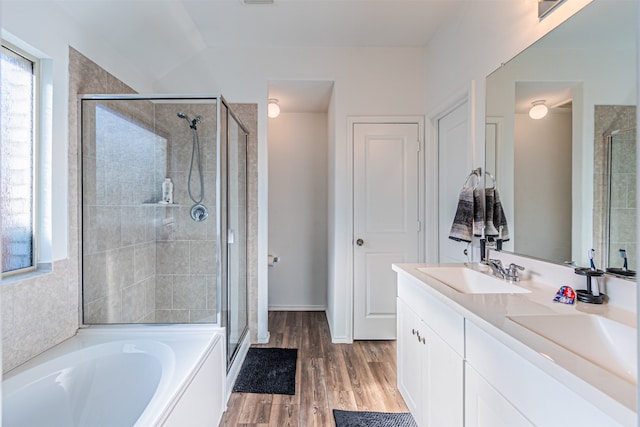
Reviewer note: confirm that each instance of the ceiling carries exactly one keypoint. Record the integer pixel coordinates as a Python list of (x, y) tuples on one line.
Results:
[(158, 35), (301, 96), (554, 94)]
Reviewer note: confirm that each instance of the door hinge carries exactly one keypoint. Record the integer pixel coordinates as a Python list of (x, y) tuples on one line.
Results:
[(419, 146), (419, 225)]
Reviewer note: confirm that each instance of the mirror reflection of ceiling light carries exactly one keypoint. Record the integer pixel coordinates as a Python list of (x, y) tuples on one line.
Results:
[(273, 109), (538, 110)]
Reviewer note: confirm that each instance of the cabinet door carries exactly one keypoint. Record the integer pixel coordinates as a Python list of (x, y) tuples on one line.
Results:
[(430, 372), (411, 362), (444, 382), (485, 407)]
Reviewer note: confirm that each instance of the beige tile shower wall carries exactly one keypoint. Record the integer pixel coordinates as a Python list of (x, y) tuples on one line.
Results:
[(121, 157), (606, 119), (186, 250), (116, 244)]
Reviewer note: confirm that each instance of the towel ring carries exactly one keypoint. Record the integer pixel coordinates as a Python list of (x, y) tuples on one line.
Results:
[(488, 174), (474, 173)]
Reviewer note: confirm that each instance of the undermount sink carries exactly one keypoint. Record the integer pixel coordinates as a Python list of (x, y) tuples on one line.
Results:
[(609, 344), (468, 281)]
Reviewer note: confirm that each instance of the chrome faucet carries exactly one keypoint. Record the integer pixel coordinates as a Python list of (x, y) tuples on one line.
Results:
[(498, 270)]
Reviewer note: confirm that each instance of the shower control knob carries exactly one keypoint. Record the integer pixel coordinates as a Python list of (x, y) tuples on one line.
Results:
[(359, 242), (199, 213)]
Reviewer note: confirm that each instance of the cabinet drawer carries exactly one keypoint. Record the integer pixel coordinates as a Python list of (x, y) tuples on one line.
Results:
[(445, 322)]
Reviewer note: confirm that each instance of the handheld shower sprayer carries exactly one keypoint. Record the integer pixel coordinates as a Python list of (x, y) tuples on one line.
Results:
[(198, 211), (192, 123)]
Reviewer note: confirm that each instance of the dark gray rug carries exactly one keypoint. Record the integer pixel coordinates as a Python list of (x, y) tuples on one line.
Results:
[(373, 419), (268, 371)]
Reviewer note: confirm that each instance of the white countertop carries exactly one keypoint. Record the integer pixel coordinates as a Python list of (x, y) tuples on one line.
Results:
[(610, 392)]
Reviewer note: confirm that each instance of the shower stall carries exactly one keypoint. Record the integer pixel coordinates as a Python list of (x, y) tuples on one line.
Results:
[(164, 212)]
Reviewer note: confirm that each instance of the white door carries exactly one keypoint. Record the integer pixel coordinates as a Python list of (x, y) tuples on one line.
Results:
[(454, 164), (385, 220)]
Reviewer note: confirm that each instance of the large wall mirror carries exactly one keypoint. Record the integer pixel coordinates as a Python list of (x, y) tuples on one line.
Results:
[(567, 180)]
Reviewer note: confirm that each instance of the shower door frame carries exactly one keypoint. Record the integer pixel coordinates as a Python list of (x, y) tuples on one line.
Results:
[(223, 236)]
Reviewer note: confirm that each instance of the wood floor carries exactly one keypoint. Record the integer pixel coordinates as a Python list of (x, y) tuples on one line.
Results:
[(359, 376)]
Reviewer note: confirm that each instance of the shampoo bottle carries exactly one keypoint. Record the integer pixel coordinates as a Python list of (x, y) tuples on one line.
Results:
[(167, 191)]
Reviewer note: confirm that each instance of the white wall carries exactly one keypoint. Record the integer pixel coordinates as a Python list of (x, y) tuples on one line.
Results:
[(368, 82), (542, 174), (298, 170)]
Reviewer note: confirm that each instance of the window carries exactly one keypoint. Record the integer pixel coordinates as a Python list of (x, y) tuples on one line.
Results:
[(18, 94)]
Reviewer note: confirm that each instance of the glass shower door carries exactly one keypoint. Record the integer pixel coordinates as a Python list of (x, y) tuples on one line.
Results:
[(233, 151)]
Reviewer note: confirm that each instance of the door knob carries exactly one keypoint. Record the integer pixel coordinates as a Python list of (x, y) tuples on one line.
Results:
[(359, 242)]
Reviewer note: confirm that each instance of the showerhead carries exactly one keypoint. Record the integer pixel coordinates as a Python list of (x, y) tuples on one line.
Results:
[(192, 123)]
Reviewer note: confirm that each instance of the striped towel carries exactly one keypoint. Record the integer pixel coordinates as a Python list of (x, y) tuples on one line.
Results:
[(495, 215), (469, 217)]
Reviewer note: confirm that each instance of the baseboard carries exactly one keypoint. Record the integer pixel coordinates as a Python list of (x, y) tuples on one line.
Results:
[(297, 308), (265, 339), (335, 339)]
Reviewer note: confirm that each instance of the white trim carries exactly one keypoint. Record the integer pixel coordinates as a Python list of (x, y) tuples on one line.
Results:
[(22, 50), (234, 369), (351, 121), (341, 340), (298, 308), (431, 161)]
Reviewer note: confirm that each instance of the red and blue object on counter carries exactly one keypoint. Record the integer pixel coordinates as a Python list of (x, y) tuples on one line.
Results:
[(565, 295)]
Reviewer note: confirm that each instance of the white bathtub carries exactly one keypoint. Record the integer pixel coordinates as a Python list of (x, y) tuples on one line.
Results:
[(170, 375)]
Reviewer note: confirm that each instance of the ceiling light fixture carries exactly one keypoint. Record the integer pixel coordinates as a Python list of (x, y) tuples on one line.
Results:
[(273, 109), (538, 110)]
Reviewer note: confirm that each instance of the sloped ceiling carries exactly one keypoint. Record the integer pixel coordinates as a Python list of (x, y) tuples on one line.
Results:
[(155, 35)]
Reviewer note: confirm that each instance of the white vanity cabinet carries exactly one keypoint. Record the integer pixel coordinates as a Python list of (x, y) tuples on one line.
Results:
[(463, 359), (485, 407), (430, 357), (504, 389)]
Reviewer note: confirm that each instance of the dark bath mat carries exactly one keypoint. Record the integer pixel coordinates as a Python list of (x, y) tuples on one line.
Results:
[(373, 419), (268, 371)]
